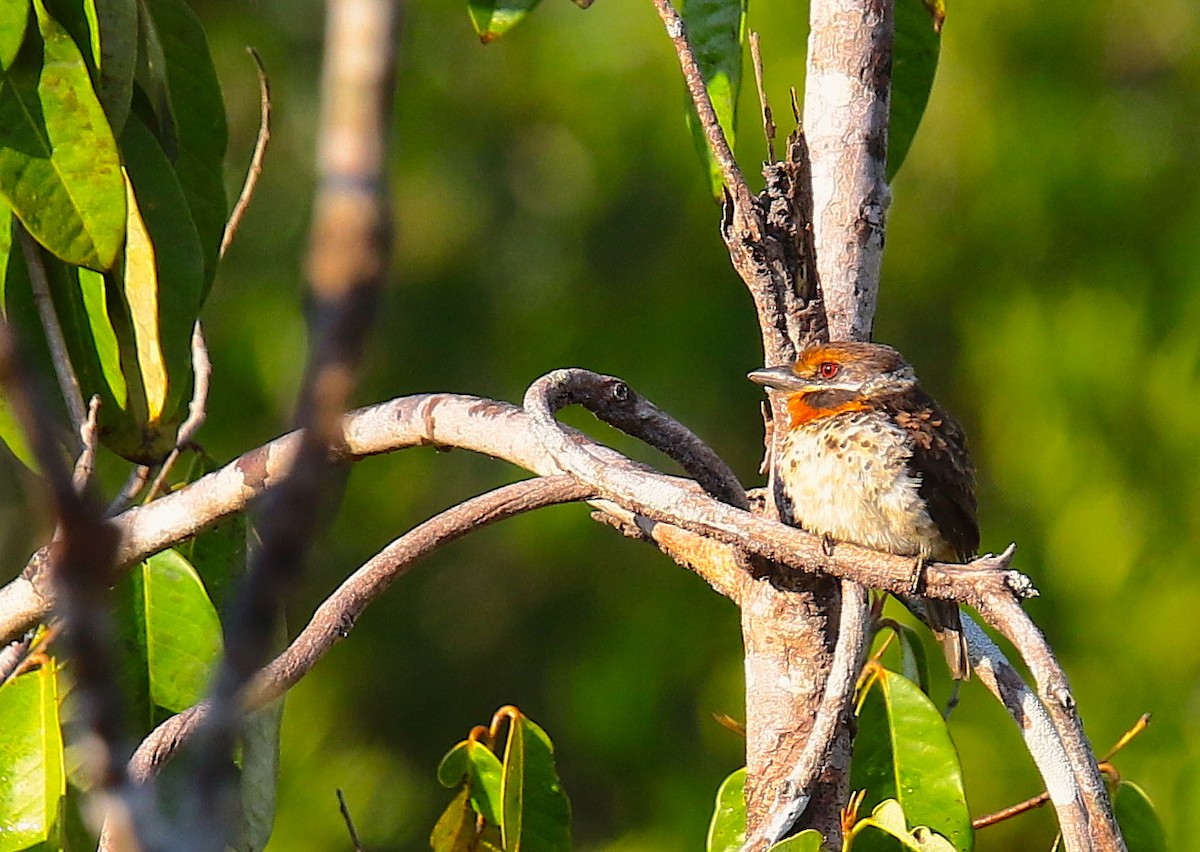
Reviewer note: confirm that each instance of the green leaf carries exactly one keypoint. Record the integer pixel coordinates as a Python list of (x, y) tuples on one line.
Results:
[(717, 32), (914, 664), (14, 18), (455, 830), (219, 555), (727, 828), (537, 813), (903, 751), (198, 116), (889, 819), (914, 64), (32, 777), (79, 297), (1139, 821), (806, 841), (106, 32), (11, 432), (493, 18), (260, 776), (483, 772), (180, 629), (114, 41), (58, 160)]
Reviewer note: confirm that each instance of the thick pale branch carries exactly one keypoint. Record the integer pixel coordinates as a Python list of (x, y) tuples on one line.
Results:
[(504, 431), (337, 615), (847, 95), (837, 699), (1016, 626), (1036, 727)]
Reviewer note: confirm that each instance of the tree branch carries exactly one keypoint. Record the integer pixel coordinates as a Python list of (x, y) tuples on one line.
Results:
[(503, 431), (337, 615), (847, 97)]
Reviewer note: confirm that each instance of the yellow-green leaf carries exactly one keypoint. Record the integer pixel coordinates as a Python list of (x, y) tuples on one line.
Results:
[(32, 774)]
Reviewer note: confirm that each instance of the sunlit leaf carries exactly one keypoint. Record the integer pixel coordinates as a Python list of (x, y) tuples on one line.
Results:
[(32, 777), (889, 820), (180, 628), (493, 18), (455, 828), (536, 812), (806, 841), (914, 64), (727, 828), (93, 291), (14, 18), (481, 769), (58, 160), (903, 751), (1139, 821), (162, 276), (717, 32), (198, 116)]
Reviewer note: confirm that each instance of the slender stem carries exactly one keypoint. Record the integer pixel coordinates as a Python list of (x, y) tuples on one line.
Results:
[(68, 382)]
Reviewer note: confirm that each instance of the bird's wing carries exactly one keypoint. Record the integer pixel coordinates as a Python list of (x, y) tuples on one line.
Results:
[(941, 459)]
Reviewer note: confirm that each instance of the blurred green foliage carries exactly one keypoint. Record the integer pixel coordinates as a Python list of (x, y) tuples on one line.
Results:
[(1040, 273)]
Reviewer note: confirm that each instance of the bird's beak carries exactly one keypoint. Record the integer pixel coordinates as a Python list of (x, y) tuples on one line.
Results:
[(777, 378)]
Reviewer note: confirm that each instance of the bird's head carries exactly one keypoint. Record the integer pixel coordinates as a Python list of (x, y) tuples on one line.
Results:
[(831, 378)]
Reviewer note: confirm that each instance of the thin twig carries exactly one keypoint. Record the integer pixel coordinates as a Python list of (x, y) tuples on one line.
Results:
[(134, 483), (256, 160), (354, 841), (197, 409), (68, 382), (337, 615), (1032, 803), (764, 106), (85, 464)]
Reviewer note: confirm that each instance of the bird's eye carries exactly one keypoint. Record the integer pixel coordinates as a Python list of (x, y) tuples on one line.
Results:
[(828, 369)]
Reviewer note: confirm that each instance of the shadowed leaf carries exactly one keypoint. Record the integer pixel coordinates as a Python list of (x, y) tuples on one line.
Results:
[(914, 64), (1139, 821)]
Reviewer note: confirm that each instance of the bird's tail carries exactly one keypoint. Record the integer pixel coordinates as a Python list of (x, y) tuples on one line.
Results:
[(946, 625)]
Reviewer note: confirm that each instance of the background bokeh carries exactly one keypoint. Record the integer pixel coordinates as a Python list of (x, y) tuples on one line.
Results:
[(1040, 272)]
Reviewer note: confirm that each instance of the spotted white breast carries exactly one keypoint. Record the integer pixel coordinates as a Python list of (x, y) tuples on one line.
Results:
[(847, 477)]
